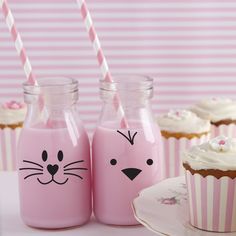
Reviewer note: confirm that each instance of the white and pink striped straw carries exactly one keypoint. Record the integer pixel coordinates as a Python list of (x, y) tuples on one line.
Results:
[(18, 42), (101, 58)]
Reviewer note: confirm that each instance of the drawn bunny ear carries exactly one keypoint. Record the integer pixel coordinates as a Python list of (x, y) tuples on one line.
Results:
[(129, 137)]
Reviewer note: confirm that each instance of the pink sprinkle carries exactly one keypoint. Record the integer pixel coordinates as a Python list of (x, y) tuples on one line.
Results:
[(169, 201), (222, 142), (22, 105), (177, 113), (13, 105)]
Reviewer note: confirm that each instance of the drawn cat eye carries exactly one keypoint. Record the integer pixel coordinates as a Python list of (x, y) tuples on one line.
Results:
[(44, 155), (149, 162), (60, 155), (113, 162)]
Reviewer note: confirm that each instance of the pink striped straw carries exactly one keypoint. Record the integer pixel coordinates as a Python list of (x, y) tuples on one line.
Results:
[(101, 58), (18, 42), (10, 22)]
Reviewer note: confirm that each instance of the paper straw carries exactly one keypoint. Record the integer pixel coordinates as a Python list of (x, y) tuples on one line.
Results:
[(18, 42), (101, 58), (10, 22)]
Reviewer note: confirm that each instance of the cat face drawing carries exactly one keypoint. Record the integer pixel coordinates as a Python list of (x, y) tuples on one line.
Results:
[(52, 169)]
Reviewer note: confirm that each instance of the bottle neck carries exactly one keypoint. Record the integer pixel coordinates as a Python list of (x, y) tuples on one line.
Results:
[(128, 99), (52, 92), (131, 94), (132, 111), (51, 100), (129, 90)]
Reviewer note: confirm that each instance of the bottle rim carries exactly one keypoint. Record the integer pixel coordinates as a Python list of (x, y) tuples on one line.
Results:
[(52, 84), (127, 82)]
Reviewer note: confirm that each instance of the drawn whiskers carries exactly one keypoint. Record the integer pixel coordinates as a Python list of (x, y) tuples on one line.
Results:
[(26, 177), (34, 163), (73, 168), (32, 169)]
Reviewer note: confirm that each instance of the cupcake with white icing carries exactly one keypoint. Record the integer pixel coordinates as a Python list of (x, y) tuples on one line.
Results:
[(12, 115), (211, 182), (222, 114), (180, 129)]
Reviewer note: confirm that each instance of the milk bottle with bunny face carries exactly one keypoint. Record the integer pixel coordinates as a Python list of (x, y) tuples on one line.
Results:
[(54, 157), (125, 160)]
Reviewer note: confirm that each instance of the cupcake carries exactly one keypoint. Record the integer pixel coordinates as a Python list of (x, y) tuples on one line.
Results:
[(222, 114), (210, 170), (180, 129), (12, 115)]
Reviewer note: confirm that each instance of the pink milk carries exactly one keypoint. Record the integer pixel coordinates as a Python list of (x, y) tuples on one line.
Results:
[(54, 175), (53, 157), (124, 162)]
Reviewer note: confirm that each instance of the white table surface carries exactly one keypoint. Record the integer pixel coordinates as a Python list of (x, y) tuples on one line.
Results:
[(11, 224)]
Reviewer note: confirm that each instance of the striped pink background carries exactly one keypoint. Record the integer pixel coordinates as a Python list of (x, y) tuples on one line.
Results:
[(173, 150), (189, 46)]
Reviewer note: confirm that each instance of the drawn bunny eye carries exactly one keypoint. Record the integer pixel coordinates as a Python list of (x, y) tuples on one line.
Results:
[(60, 155), (113, 162), (44, 155), (149, 162)]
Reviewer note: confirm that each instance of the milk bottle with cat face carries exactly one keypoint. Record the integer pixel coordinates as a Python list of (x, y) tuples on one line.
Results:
[(125, 160), (53, 157)]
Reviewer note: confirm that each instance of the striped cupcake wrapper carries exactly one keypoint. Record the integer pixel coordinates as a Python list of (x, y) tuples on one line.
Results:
[(212, 202), (172, 152), (226, 130), (8, 143)]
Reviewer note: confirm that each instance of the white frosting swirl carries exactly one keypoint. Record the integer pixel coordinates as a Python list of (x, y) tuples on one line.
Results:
[(12, 113), (216, 109), (179, 114), (219, 153), (221, 143), (183, 121)]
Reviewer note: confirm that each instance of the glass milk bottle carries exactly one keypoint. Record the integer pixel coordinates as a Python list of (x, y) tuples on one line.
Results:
[(125, 160), (53, 157)]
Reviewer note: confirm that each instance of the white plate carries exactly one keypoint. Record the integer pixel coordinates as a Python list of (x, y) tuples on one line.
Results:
[(162, 208)]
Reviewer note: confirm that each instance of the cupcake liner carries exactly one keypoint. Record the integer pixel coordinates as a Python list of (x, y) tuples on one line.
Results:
[(8, 145), (172, 152), (212, 202), (226, 130)]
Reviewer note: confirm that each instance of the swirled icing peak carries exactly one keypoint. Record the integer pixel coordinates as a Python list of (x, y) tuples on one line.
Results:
[(183, 121), (13, 105), (12, 112), (216, 109), (218, 153), (221, 144), (178, 114)]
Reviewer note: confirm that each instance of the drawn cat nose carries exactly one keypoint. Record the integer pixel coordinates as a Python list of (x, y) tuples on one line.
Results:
[(52, 169)]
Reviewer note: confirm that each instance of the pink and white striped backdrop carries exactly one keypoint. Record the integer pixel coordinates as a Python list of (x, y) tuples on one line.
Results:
[(189, 46)]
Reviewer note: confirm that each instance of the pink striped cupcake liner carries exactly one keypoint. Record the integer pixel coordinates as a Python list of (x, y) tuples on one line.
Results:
[(8, 144), (212, 202), (172, 152), (226, 130)]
